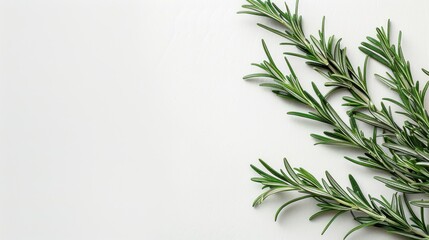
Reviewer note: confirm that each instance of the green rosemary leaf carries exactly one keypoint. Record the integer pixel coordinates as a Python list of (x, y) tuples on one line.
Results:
[(400, 148), (375, 56), (270, 192), (420, 203), (272, 85), (394, 184), (308, 116), (357, 190), (271, 170), (257, 75), (290, 171), (288, 203), (360, 227), (332, 220), (319, 213)]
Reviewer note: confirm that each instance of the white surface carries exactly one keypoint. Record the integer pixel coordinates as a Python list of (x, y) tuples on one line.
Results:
[(129, 119)]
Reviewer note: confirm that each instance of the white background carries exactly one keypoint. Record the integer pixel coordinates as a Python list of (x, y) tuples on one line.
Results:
[(129, 119)]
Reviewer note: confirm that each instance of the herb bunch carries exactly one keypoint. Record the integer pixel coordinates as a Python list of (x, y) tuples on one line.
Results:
[(402, 152)]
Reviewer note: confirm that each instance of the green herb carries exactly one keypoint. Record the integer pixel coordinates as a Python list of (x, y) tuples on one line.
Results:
[(331, 197), (402, 152)]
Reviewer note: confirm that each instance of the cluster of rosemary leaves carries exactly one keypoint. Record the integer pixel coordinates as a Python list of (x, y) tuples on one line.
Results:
[(403, 149)]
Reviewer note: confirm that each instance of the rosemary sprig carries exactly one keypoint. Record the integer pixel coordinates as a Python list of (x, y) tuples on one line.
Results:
[(400, 80), (407, 161), (331, 197), (327, 57), (324, 54)]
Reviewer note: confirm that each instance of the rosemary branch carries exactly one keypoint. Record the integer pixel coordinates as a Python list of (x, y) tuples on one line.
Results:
[(331, 197), (400, 80)]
